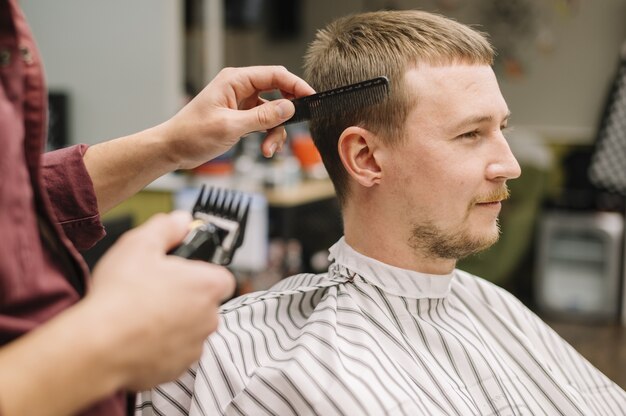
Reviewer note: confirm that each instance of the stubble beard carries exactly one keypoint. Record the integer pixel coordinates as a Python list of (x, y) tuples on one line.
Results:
[(433, 242)]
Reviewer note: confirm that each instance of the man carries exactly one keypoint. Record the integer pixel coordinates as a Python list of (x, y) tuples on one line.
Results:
[(393, 328), (65, 349)]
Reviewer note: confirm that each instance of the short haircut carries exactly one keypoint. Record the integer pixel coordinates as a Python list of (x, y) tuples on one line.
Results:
[(364, 46)]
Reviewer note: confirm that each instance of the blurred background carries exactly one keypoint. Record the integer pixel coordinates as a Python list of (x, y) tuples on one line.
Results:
[(117, 67)]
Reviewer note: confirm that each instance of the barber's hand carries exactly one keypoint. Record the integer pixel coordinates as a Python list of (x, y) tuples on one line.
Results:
[(228, 108), (155, 309)]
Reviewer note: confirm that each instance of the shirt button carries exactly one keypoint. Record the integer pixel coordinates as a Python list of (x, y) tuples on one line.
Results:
[(27, 56), (5, 57)]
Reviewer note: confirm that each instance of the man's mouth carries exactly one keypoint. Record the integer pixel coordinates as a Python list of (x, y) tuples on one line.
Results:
[(495, 198), (490, 204)]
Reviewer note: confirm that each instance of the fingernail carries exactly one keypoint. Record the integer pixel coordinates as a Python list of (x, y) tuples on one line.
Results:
[(272, 149), (285, 109)]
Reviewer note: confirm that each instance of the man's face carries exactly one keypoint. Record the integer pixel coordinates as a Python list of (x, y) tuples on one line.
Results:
[(449, 175)]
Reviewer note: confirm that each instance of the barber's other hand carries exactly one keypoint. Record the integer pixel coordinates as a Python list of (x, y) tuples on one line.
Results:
[(155, 310), (228, 108)]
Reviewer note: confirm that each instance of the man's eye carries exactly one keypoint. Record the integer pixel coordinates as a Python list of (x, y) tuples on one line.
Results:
[(469, 135)]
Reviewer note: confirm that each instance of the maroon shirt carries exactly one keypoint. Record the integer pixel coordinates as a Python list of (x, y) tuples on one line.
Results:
[(48, 206)]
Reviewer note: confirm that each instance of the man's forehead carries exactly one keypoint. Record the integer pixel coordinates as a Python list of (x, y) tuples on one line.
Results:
[(426, 77), (455, 92)]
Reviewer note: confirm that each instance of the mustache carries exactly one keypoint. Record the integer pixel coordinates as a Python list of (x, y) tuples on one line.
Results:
[(499, 194)]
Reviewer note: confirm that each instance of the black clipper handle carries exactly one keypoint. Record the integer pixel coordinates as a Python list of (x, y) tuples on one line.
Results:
[(201, 243)]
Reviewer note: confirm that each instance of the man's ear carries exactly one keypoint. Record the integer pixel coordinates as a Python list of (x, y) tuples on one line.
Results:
[(357, 148)]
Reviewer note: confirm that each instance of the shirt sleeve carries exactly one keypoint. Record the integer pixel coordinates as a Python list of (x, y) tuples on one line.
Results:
[(72, 195)]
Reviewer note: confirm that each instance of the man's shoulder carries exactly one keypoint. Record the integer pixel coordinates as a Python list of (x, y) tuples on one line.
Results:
[(290, 287), (470, 280), (487, 292), (482, 287)]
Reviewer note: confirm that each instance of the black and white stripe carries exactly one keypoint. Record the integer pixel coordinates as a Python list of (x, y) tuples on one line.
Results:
[(371, 339)]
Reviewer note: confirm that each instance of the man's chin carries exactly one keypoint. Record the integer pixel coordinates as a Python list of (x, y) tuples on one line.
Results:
[(482, 243), (454, 246)]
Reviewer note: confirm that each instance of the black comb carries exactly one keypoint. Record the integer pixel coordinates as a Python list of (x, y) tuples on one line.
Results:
[(218, 227), (340, 100)]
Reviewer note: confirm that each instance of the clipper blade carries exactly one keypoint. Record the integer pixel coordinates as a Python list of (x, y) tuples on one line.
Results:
[(220, 217)]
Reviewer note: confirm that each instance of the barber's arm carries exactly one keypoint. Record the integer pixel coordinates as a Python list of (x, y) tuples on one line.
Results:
[(205, 128), (147, 314)]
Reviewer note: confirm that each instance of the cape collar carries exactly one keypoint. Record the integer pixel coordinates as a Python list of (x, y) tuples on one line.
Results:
[(391, 279)]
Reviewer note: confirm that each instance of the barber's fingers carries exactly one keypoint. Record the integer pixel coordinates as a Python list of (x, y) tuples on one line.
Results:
[(274, 141), (264, 116), (164, 231), (215, 281), (248, 80), (275, 136)]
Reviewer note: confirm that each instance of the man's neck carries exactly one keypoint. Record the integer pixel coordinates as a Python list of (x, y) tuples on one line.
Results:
[(387, 242)]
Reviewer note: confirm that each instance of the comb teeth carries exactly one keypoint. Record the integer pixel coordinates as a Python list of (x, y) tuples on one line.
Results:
[(344, 99)]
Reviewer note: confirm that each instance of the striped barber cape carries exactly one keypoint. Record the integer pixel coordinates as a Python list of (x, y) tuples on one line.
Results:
[(367, 338)]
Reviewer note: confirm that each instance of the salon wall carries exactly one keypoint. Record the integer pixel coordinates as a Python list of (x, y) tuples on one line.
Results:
[(119, 61), (562, 92)]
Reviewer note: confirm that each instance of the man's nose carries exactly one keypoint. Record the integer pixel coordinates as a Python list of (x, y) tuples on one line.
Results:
[(504, 164)]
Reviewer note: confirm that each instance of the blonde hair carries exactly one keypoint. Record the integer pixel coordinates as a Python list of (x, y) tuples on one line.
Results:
[(367, 45)]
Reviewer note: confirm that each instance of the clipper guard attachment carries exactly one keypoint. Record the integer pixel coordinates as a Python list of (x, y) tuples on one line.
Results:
[(218, 227)]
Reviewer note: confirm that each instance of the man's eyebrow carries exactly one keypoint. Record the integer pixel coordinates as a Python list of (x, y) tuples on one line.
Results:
[(478, 119)]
